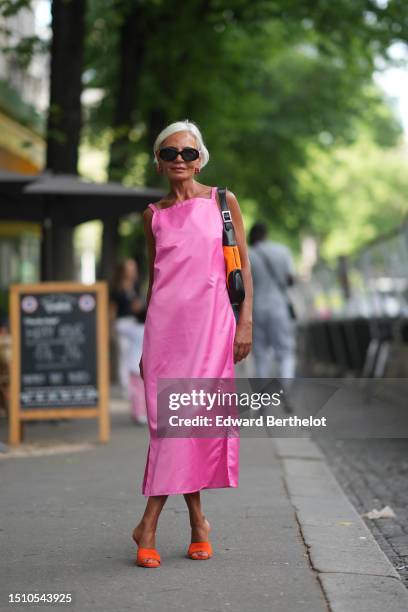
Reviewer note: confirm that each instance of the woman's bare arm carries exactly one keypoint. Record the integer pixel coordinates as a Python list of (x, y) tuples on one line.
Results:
[(243, 336), (151, 249), (151, 254), (113, 310)]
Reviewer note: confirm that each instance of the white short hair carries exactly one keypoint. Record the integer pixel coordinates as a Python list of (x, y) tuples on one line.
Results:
[(183, 126)]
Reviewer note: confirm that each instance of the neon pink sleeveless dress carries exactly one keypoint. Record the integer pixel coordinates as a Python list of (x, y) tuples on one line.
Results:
[(189, 333)]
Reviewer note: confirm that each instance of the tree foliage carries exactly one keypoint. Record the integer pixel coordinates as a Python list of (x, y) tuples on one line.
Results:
[(263, 80), (358, 193), (274, 85)]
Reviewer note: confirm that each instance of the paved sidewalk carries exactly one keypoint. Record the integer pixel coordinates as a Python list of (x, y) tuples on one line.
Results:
[(67, 521), (373, 474), (354, 572)]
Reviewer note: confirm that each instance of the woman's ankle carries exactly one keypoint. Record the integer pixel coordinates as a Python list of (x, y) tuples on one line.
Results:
[(198, 521), (148, 524)]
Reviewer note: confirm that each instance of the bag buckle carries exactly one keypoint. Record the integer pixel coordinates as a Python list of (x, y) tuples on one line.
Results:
[(226, 215)]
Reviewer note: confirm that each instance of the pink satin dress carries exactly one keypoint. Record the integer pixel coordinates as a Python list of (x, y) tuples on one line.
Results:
[(189, 333)]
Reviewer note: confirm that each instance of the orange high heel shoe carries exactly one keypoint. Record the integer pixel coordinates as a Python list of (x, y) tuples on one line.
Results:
[(197, 547), (143, 554), (147, 557)]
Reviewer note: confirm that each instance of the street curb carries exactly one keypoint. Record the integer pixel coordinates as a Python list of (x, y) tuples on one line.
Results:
[(354, 573)]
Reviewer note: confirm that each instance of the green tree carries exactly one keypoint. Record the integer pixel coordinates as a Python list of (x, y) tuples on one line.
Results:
[(263, 80), (357, 193)]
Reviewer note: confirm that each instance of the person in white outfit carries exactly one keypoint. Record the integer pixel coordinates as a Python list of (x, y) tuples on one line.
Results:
[(126, 305), (273, 323)]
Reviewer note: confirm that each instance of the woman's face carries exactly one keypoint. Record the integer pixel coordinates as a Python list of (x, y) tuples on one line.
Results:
[(178, 169), (131, 269)]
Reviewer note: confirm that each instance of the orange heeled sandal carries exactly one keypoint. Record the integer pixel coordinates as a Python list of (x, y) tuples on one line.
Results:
[(146, 553), (143, 554), (197, 547)]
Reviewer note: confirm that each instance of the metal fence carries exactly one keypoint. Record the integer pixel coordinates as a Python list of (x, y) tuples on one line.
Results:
[(371, 283)]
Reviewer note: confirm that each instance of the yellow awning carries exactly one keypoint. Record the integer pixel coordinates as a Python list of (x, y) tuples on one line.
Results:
[(15, 229), (21, 149)]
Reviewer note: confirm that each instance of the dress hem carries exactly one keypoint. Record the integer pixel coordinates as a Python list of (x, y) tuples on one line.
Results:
[(228, 486)]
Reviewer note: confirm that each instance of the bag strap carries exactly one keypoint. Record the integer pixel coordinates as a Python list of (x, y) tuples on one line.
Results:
[(225, 211), (228, 233)]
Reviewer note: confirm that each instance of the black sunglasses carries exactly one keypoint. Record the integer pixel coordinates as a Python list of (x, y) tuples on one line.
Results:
[(171, 153)]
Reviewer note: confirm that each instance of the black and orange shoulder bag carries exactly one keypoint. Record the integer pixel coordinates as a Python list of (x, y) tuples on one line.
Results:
[(235, 282)]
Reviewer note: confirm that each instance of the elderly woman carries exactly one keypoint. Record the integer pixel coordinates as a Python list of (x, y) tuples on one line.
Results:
[(190, 332)]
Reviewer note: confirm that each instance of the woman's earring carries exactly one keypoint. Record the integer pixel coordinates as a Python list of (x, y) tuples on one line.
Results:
[(197, 170)]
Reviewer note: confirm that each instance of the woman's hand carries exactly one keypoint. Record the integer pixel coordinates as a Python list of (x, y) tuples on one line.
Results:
[(141, 367), (242, 341), (137, 306)]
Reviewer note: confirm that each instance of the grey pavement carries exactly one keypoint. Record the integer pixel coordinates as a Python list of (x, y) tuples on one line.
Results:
[(354, 572), (373, 474), (279, 544)]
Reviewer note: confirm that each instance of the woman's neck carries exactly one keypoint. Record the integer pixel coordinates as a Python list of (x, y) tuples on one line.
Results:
[(183, 190), (127, 283)]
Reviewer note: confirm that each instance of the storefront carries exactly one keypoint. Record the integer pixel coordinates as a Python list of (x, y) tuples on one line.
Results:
[(19, 257)]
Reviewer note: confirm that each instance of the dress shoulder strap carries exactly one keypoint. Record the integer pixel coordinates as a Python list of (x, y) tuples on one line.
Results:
[(152, 207)]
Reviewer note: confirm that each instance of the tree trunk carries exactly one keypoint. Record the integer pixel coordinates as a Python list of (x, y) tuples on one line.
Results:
[(64, 126), (64, 117), (131, 54), (156, 122)]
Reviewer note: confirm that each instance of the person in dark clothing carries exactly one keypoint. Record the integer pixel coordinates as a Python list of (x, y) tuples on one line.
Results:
[(125, 293)]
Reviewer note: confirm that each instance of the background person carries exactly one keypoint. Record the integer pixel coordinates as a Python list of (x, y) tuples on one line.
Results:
[(125, 305), (273, 326)]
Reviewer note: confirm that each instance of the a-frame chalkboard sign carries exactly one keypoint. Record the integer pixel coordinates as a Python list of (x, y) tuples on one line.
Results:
[(60, 363)]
